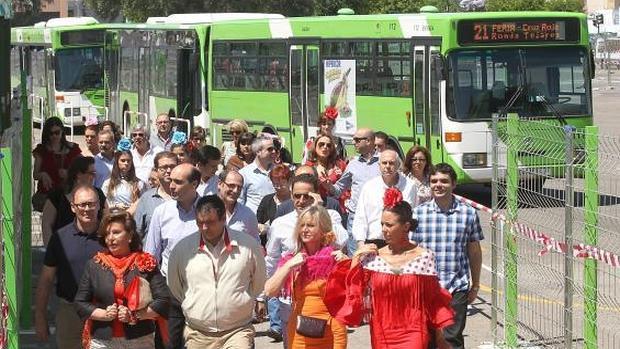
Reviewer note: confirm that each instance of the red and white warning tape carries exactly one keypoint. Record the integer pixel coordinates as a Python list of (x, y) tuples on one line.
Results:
[(549, 243)]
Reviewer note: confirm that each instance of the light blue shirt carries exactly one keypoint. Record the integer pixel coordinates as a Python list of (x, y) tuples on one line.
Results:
[(209, 187), (358, 171), (169, 224), (256, 185), (244, 220), (103, 169)]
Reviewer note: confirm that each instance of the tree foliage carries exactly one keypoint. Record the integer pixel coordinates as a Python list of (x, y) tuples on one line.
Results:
[(535, 5)]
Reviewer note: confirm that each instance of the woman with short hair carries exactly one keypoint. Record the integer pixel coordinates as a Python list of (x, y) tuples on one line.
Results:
[(417, 166)]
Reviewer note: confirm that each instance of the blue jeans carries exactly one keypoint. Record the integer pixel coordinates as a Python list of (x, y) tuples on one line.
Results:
[(285, 314), (351, 243), (273, 307)]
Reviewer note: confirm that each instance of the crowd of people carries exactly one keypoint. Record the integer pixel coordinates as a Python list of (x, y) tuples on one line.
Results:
[(164, 241)]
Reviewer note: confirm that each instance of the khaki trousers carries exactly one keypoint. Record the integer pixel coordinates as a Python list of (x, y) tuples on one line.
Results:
[(239, 338), (68, 326)]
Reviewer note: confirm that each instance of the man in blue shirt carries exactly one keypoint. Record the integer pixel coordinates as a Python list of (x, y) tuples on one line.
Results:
[(256, 182), (451, 229)]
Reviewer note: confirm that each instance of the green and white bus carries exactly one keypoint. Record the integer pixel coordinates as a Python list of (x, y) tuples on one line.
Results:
[(63, 59), (433, 79)]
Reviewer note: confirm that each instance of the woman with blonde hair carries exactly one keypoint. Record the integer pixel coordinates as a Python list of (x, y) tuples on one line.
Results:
[(236, 127), (302, 276)]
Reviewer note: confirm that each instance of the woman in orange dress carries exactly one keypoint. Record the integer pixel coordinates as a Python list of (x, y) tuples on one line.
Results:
[(303, 276), (394, 288)]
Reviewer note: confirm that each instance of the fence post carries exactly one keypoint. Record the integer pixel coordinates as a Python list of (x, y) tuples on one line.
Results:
[(494, 202), (510, 242), (568, 235), (10, 259), (591, 237)]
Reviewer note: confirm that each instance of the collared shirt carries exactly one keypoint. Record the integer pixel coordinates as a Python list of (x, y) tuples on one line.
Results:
[(358, 171), (209, 187), (157, 141), (256, 185), (367, 220), (244, 220), (282, 241), (103, 169), (169, 224), (68, 251), (447, 233), (144, 163), (217, 290), (144, 211)]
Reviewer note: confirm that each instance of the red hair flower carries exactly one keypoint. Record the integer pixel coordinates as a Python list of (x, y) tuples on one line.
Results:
[(331, 113), (146, 262), (392, 197)]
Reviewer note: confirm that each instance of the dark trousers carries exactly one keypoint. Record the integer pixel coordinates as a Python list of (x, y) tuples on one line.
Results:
[(176, 324), (453, 334)]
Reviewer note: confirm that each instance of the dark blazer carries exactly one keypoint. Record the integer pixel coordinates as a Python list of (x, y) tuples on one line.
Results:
[(96, 290), (287, 206)]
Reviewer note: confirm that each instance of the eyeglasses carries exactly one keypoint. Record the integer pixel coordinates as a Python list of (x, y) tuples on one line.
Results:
[(299, 196), (86, 205), (322, 144), (233, 185), (56, 133), (137, 135), (418, 160), (165, 167), (359, 139)]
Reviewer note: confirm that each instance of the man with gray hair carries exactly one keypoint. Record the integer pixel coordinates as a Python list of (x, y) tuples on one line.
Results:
[(163, 137), (256, 182), (143, 152), (367, 222)]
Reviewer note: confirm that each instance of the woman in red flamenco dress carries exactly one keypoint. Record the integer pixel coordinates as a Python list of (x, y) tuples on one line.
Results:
[(395, 288)]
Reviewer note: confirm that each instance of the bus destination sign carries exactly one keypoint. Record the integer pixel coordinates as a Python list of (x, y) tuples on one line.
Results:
[(510, 31)]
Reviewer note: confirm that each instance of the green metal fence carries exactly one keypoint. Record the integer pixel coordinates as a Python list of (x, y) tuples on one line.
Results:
[(556, 235)]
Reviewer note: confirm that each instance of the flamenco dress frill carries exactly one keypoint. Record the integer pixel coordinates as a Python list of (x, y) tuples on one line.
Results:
[(402, 305)]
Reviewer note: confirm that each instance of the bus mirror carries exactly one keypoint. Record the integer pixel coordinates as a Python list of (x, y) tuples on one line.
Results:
[(592, 65)]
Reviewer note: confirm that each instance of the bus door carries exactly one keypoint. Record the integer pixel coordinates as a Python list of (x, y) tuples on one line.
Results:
[(304, 93), (426, 114)]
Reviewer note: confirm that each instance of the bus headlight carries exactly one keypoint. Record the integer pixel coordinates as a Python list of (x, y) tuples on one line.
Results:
[(472, 160)]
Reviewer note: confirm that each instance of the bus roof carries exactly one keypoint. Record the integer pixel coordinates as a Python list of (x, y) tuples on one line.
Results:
[(195, 18)]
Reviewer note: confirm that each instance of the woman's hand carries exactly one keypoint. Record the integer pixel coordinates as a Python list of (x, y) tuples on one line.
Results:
[(296, 261), (45, 180), (111, 312), (339, 256), (317, 199), (365, 250), (124, 315)]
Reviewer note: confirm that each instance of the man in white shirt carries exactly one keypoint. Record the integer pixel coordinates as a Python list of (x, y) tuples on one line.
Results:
[(105, 159), (304, 193), (238, 216), (143, 152), (256, 182), (207, 159), (367, 221)]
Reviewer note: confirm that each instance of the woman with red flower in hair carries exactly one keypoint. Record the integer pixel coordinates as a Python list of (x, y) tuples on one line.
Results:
[(326, 123), (394, 288), (122, 293), (301, 276)]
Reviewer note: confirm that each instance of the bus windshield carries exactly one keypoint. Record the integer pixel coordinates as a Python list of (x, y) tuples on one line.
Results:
[(555, 80), (79, 69)]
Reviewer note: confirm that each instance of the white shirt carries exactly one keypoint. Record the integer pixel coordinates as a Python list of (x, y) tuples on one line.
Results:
[(367, 220), (103, 169), (144, 163), (122, 192), (256, 185), (244, 220), (209, 187), (282, 241)]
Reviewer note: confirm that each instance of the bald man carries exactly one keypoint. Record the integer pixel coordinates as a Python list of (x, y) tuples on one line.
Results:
[(171, 222), (329, 202), (367, 222)]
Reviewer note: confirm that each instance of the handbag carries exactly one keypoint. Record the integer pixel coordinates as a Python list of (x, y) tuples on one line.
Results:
[(138, 294), (310, 327)]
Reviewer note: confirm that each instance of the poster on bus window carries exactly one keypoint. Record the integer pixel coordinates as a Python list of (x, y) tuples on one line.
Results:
[(339, 82)]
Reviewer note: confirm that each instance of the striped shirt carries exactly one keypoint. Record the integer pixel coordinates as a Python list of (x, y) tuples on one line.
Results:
[(447, 234)]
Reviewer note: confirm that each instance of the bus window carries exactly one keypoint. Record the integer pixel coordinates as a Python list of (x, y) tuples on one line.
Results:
[(79, 69), (434, 95)]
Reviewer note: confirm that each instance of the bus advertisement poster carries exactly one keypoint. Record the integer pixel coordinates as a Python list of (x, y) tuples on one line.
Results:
[(339, 82)]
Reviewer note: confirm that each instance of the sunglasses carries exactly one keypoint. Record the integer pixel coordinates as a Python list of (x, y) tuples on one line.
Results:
[(322, 144), (359, 139), (299, 196)]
